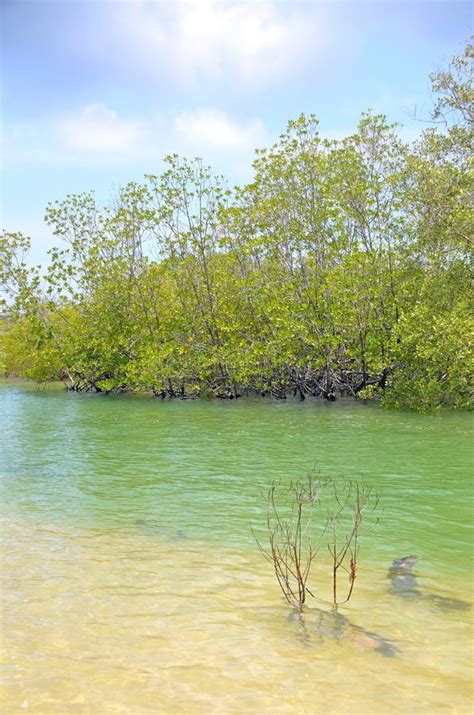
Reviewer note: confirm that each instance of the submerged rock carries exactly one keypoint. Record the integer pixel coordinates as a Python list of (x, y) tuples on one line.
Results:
[(402, 579), (403, 583)]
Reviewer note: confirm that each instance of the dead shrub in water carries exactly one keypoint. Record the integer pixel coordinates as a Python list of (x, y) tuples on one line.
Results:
[(291, 548), (303, 517), (351, 500)]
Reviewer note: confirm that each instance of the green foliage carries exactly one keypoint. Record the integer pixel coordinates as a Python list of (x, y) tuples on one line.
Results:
[(342, 268), (434, 365)]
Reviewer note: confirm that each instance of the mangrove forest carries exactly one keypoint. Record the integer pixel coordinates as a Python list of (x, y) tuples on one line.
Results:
[(341, 268)]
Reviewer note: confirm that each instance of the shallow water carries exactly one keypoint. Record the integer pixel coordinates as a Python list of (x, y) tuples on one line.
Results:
[(131, 582)]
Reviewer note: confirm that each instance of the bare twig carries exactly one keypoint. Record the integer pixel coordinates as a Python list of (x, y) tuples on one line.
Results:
[(292, 527)]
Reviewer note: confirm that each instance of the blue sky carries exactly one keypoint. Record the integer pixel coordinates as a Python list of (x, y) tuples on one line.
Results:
[(94, 94)]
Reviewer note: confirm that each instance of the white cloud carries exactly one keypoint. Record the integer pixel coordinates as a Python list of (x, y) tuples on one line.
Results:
[(207, 130), (99, 129), (253, 44), (98, 136)]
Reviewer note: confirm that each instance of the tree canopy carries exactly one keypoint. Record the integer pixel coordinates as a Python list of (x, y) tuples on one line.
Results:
[(343, 267)]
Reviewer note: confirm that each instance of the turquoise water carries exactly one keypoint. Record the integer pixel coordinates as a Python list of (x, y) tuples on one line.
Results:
[(132, 582), (200, 466)]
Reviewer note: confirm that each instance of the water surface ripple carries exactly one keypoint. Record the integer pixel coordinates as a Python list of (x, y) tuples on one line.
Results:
[(131, 582)]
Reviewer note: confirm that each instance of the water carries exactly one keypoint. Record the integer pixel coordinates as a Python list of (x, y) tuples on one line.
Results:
[(131, 582)]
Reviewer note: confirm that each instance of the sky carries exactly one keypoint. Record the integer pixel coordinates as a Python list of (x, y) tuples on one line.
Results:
[(95, 93)]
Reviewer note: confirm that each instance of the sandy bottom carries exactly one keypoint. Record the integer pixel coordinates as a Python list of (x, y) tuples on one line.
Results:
[(119, 621)]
